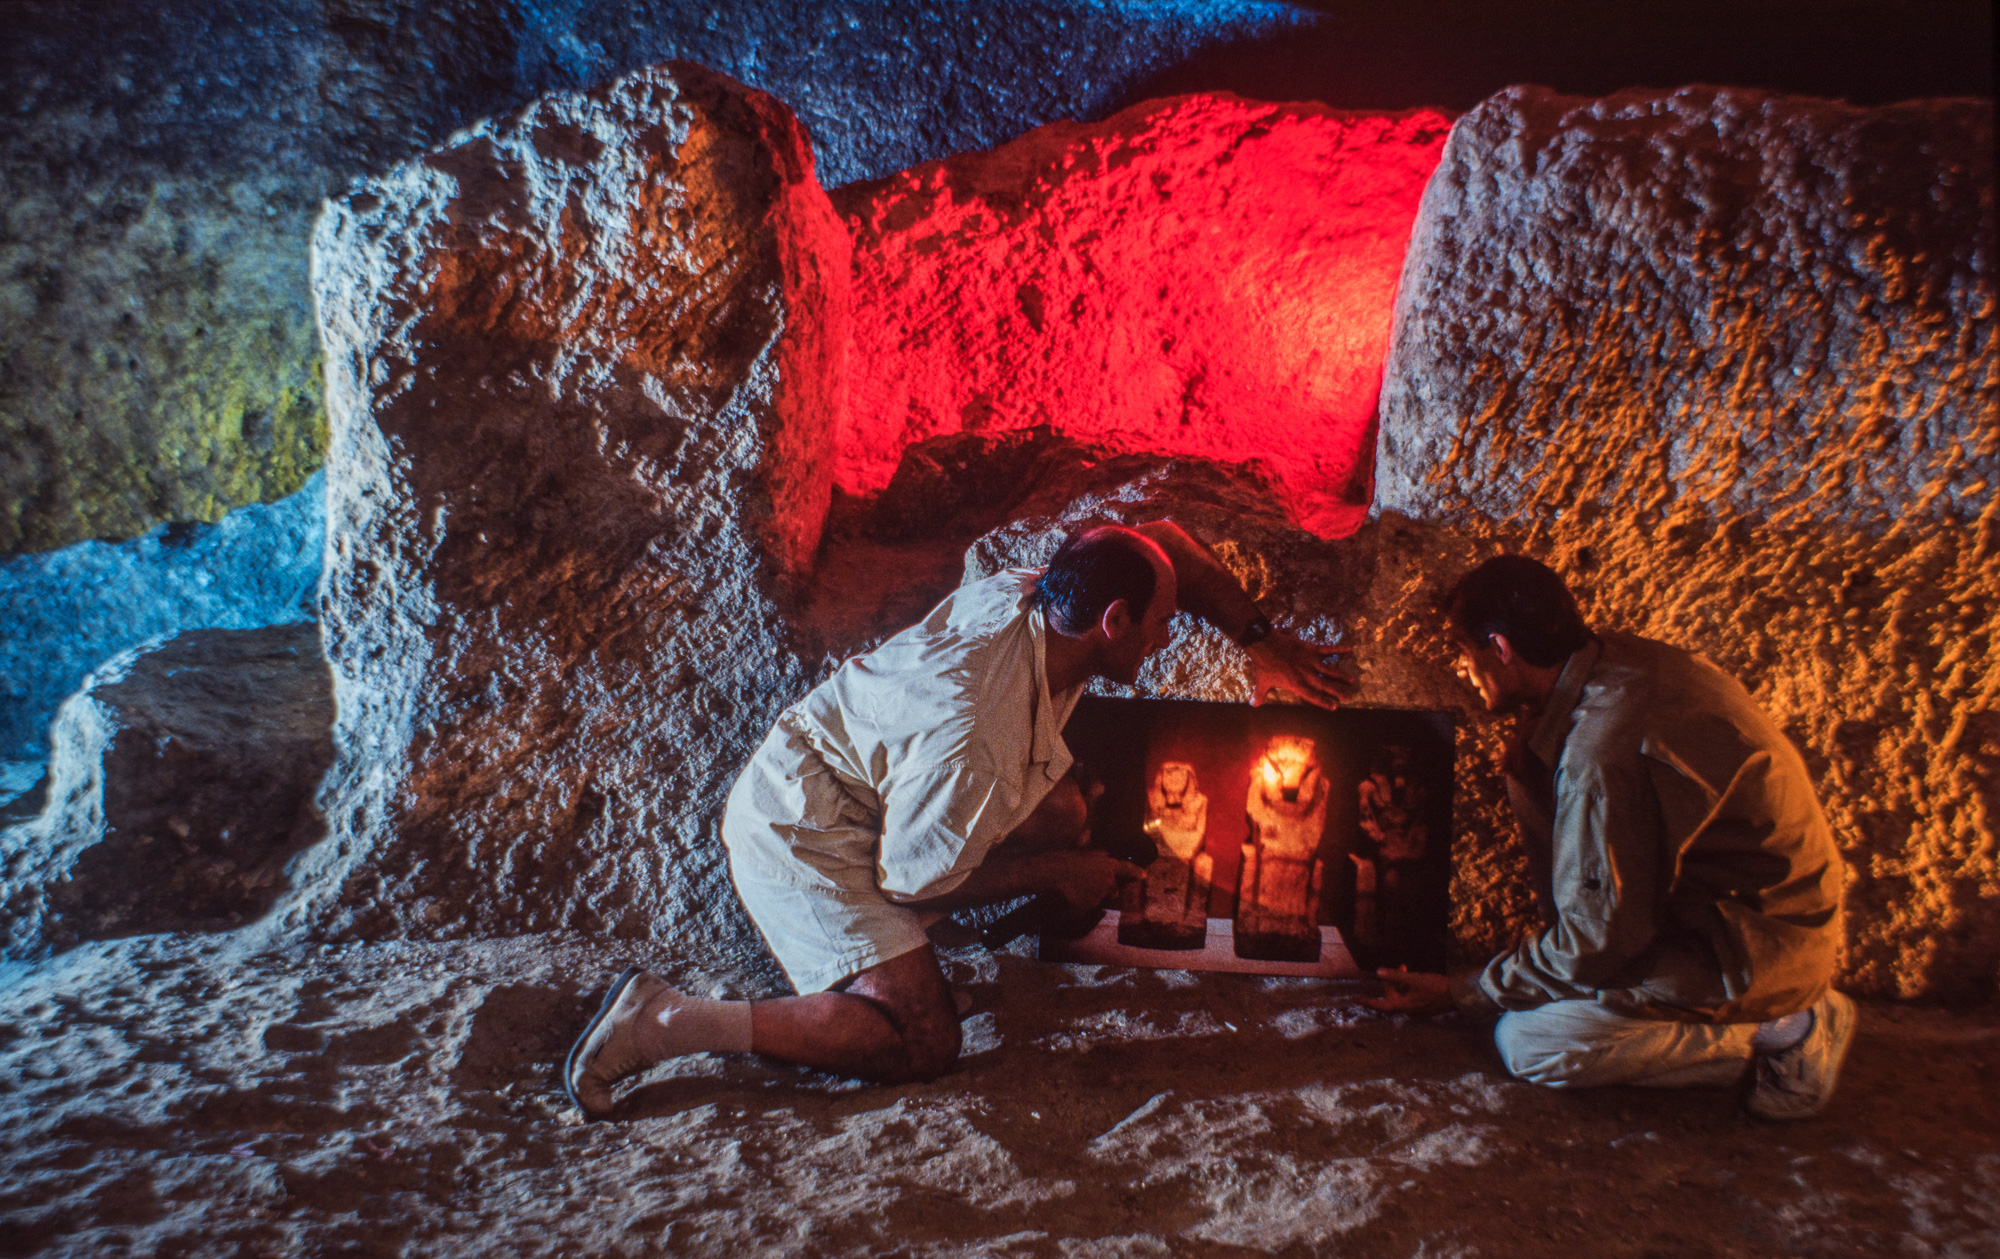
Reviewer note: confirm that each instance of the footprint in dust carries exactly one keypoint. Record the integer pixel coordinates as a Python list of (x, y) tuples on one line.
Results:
[(519, 1030)]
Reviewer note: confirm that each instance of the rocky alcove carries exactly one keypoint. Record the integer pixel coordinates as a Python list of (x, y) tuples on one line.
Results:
[(634, 430)]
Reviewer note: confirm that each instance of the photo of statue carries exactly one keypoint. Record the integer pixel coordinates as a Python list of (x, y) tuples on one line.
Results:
[(1336, 861), (1390, 848), (1168, 909), (1278, 884)]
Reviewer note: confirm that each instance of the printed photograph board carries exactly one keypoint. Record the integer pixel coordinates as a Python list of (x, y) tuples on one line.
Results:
[(1282, 840)]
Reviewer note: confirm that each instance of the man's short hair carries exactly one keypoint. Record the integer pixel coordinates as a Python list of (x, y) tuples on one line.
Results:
[(1523, 599), (1091, 570)]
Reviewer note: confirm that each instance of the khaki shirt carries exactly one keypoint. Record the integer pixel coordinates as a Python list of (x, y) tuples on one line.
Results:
[(946, 734), (1693, 874)]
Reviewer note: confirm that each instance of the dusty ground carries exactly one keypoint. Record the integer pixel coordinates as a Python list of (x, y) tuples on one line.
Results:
[(184, 1096)]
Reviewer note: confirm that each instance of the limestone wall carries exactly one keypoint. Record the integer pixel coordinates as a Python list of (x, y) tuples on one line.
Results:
[(1206, 276), (162, 168), (1730, 362), (583, 370)]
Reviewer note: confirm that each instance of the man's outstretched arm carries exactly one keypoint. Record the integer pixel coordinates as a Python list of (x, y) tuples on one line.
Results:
[(1281, 660), (1082, 877)]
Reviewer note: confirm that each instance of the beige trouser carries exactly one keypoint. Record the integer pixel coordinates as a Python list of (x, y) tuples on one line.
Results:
[(1580, 1044)]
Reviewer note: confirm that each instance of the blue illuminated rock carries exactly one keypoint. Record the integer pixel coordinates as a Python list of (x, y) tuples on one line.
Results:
[(182, 783)]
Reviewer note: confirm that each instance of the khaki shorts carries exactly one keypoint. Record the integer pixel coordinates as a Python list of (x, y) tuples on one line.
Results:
[(802, 852)]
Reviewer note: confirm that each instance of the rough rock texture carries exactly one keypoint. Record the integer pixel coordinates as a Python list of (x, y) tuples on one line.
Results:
[(1354, 591), (162, 165), (173, 1096), (181, 785), (1205, 276), (583, 374), (1731, 362), (68, 611), (161, 168)]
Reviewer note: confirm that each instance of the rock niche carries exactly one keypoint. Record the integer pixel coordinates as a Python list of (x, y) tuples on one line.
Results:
[(1202, 276)]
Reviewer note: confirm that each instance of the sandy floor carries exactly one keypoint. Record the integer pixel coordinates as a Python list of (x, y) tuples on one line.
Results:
[(177, 1096)]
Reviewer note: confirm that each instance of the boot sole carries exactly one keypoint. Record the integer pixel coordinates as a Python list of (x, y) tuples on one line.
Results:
[(577, 1059)]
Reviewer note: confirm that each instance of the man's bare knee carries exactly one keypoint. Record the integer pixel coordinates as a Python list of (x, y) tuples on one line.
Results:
[(912, 994)]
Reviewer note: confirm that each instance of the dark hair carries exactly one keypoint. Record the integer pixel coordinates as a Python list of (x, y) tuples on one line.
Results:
[(1091, 570), (1526, 601)]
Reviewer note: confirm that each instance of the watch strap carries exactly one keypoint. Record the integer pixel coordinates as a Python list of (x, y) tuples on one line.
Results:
[(1255, 632)]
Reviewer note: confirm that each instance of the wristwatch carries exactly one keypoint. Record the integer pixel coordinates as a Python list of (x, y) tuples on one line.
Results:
[(1255, 632)]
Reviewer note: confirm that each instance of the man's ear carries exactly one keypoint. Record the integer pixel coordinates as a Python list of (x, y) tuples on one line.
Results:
[(1503, 648), (1117, 619)]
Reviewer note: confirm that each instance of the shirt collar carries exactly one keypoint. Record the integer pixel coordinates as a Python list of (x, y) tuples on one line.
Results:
[(1559, 712), (1049, 748)]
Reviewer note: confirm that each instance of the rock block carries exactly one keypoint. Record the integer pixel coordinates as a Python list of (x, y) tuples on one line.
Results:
[(67, 612), (583, 380), (1776, 307), (1729, 362), (181, 784), (1204, 276)]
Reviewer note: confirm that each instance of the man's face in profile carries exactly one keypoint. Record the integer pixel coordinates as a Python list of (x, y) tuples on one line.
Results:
[(1488, 671), (1149, 631)]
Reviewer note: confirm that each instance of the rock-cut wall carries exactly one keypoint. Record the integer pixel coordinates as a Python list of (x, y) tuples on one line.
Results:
[(1726, 360), (1204, 276), (1731, 362), (583, 374)]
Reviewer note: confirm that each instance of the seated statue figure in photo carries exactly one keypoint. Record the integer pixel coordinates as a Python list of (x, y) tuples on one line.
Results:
[(1168, 909), (1278, 885)]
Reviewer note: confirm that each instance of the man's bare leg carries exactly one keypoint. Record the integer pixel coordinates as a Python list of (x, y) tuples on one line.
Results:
[(892, 1023), (896, 1021)]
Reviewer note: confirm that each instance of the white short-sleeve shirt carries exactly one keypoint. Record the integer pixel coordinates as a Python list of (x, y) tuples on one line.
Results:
[(945, 735)]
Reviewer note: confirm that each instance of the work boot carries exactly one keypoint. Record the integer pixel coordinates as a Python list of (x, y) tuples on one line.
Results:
[(611, 1047), (1797, 1083)]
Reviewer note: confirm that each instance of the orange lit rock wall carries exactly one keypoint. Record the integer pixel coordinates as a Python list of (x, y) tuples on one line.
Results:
[(1203, 276), (1731, 363)]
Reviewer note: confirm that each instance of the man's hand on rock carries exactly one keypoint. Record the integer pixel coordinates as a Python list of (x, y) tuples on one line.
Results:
[(1286, 662), (1085, 878), (1405, 991)]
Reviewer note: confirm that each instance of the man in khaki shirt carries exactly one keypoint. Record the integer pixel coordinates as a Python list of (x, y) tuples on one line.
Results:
[(1688, 883), (925, 776)]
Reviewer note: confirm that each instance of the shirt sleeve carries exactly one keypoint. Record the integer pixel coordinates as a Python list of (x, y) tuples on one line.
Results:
[(938, 823), (1607, 882)]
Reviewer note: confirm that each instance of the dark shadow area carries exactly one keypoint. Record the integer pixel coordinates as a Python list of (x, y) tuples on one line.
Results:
[(215, 745), (1453, 54), (517, 1026)]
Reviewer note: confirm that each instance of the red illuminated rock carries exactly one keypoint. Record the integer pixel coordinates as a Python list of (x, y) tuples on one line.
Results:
[(583, 374), (1731, 361), (1203, 276)]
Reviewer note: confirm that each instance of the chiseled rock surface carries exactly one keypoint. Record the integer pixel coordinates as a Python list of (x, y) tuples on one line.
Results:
[(1731, 362), (583, 373), (1203, 275), (162, 167), (1767, 306), (181, 784)]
